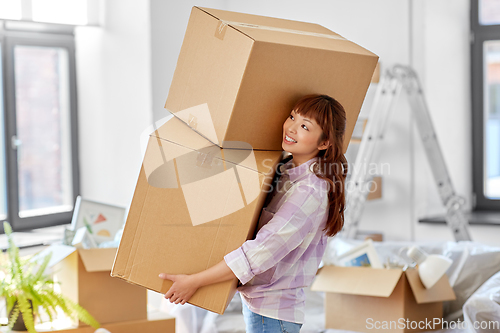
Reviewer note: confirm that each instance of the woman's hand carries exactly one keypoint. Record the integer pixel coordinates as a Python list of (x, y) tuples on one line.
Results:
[(186, 285), (183, 287)]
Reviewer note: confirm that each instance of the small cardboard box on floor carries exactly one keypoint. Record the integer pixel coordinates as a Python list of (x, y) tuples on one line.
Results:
[(365, 299), (84, 277), (206, 172)]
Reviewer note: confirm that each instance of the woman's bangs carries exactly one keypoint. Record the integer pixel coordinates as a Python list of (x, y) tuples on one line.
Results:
[(313, 110)]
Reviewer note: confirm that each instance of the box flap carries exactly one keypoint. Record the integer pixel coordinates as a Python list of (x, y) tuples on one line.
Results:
[(97, 260), (58, 251), (357, 280), (251, 19), (282, 31), (179, 133), (441, 291)]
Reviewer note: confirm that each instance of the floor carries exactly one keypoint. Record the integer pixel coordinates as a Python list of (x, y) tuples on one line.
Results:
[(188, 319)]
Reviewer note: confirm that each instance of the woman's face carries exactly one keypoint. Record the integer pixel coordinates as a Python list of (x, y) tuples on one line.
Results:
[(301, 136)]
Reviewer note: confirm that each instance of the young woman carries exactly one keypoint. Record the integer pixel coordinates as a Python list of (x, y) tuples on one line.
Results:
[(306, 205)]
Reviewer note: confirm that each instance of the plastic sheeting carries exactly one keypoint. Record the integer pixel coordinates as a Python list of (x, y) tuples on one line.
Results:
[(482, 309), (473, 264)]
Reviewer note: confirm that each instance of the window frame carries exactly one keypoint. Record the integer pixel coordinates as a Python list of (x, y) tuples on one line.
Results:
[(48, 35), (479, 35)]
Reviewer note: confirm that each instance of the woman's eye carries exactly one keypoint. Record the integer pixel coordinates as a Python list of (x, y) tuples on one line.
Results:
[(305, 127), (291, 117)]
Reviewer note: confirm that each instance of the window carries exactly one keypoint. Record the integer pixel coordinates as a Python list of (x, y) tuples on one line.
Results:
[(39, 171), (73, 12), (3, 178), (485, 25), (38, 124)]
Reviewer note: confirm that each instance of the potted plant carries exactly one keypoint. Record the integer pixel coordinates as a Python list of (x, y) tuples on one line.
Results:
[(27, 289)]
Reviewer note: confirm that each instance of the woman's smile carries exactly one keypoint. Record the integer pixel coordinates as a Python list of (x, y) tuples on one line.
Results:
[(289, 140)]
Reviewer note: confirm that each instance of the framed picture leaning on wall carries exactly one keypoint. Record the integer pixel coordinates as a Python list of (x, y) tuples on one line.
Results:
[(101, 220)]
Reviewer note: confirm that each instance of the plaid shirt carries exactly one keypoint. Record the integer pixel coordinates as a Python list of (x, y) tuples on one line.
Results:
[(287, 250)]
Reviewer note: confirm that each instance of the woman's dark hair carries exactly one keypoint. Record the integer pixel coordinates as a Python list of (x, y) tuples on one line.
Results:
[(332, 164)]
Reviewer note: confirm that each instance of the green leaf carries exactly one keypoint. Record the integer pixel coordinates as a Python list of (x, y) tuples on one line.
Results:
[(13, 316), (82, 314), (89, 227), (26, 282), (27, 311), (36, 298), (74, 310), (41, 270)]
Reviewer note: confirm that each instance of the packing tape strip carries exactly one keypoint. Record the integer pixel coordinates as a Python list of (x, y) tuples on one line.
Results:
[(264, 27)]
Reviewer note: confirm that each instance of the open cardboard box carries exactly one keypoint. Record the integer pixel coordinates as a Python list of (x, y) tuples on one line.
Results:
[(84, 277), (365, 299), (250, 70), (194, 203)]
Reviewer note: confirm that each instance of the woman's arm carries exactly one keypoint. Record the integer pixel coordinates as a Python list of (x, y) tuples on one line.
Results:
[(184, 286)]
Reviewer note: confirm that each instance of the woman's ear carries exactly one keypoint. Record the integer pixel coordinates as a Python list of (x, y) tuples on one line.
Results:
[(324, 145)]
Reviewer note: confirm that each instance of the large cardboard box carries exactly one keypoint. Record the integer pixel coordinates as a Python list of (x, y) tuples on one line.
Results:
[(205, 173), (160, 325), (84, 277), (250, 70), (194, 203), (365, 299)]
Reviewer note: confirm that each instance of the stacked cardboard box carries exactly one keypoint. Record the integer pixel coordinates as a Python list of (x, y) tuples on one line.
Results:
[(207, 171), (365, 299), (83, 275)]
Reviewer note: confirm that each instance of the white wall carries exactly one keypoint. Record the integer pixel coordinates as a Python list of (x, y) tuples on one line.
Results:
[(433, 37), (114, 99), (125, 71), (169, 21)]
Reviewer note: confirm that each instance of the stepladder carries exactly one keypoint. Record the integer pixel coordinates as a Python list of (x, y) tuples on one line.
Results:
[(396, 82)]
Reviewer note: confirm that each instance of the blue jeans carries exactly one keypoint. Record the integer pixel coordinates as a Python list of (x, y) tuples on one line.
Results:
[(259, 324)]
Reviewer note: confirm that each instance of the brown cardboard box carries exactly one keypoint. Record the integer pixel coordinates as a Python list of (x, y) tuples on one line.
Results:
[(163, 325), (366, 299), (236, 80), (84, 277), (375, 189), (250, 70), (194, 203)]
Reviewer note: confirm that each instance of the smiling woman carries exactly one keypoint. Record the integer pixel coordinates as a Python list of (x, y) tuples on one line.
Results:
[(306, 206)]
